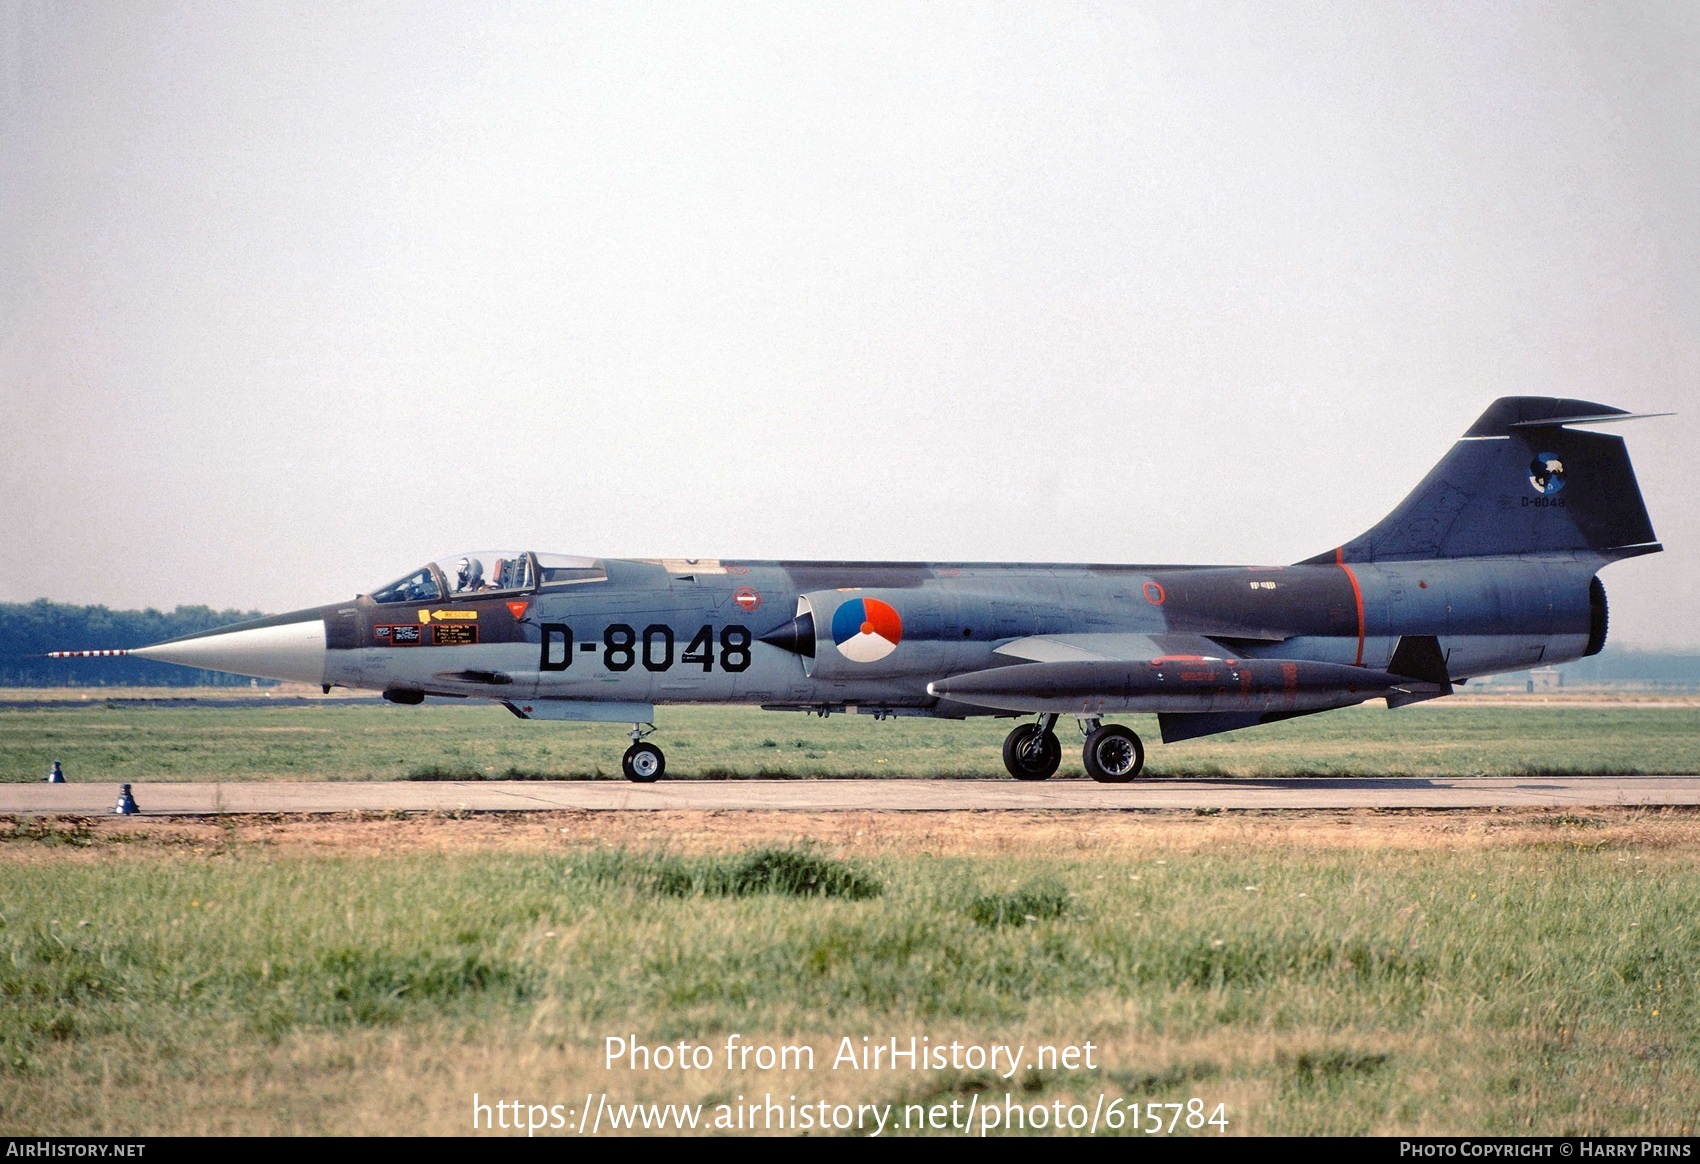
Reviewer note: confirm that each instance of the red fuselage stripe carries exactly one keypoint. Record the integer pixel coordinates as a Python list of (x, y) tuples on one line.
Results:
[(1357, 596)]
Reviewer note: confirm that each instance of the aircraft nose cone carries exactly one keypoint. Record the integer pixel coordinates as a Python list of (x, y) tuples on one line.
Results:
[(289, 647)]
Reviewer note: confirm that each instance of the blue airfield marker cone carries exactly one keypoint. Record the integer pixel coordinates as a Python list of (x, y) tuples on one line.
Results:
[(126, 805), (57, 776)]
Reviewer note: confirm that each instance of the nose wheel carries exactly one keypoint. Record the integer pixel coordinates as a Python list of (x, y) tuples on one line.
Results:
[(643, 763), (1031, 751)]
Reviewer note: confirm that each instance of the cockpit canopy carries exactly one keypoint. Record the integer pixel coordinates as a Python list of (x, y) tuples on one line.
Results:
[(484, 572)]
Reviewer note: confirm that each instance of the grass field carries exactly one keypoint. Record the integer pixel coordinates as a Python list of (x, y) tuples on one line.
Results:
[(339, 740), (1494, 973), (1507, 973)]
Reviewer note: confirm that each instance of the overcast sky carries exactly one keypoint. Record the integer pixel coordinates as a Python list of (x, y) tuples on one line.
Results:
[(295, 297)]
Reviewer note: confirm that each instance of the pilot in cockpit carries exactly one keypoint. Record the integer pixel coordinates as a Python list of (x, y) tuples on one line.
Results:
[(469, 575)]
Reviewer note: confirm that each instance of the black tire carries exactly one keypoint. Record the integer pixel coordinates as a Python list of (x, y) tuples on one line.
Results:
[(1030, 754), (643, 763), (1113, 755)]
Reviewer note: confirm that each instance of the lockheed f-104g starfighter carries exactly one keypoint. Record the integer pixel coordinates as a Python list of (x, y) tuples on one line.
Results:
[(1490, 565)]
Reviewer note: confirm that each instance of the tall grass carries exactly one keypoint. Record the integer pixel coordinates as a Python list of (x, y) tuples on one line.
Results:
[(1546, 988), (799, 871)]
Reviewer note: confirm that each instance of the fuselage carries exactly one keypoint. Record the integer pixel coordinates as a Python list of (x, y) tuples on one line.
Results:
[(1489, 565), (691, 631)]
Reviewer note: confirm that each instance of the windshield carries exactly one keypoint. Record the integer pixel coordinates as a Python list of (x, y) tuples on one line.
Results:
[(419, 586)]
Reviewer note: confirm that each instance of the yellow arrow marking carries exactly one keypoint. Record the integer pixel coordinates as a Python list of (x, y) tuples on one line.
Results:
[(448, 615)]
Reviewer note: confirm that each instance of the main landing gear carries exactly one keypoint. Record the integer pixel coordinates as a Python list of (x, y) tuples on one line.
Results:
[(643, 762), (1112, 753), (1031, 751)]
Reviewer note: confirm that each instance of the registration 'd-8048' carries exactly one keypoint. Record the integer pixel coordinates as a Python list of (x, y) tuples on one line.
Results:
[(1161, 1119)]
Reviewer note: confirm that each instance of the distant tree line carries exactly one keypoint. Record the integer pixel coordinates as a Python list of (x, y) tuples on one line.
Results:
[(28, 630), (1629, 665)]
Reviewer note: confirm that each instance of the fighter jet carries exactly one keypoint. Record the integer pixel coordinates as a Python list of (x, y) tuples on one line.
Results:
[(1489, 565)]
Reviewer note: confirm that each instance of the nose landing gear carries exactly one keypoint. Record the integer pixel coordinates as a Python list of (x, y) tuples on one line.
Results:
[(643, 762)]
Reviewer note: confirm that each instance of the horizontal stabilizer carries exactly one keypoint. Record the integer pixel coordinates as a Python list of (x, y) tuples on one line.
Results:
[(1510, 412), (1604, 418)]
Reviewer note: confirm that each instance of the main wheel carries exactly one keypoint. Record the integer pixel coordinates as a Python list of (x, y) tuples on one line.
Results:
[(1113, 755), (1031, 754), (643, 763)]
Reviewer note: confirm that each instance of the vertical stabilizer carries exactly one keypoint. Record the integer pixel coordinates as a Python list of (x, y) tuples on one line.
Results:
[(1519, 482)]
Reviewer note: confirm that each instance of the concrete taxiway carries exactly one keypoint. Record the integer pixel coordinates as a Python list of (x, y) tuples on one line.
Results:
[(198, 799)]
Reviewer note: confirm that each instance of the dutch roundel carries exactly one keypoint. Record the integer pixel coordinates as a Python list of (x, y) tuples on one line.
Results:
[(866, 630)]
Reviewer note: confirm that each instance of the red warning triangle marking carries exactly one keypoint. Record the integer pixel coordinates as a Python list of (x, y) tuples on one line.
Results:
[(517, 609)]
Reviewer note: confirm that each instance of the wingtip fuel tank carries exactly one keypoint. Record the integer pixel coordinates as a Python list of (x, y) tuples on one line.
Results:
[(1170, 683)]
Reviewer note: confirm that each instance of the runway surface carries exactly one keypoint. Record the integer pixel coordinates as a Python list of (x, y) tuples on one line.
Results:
[(859, 795)]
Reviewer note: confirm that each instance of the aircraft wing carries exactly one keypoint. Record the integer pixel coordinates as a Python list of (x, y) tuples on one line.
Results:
[(1125, 648), (1193, 682)]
